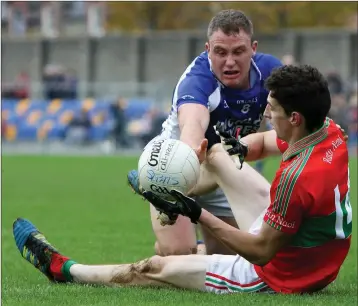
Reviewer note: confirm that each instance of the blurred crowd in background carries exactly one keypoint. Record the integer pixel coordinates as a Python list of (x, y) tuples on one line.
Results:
[(127, 122)]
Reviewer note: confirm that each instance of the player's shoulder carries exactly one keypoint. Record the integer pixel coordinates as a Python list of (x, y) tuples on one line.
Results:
[(332, 127), (266, 62), (200, 67), (296, 169)]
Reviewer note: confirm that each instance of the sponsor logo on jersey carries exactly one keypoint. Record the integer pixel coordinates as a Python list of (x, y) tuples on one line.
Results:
[(328, 156), (279, 220), (187, 97), (245, 127), (247, 101)]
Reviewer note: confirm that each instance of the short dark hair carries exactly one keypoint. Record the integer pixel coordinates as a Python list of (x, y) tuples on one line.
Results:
[(230, 22), (301, 89)]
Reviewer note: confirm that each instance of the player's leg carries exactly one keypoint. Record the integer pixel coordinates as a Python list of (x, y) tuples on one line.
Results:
[(179, 271), (176, 239), (216, 273), (212, 244), (210, 197), (187, 271), (231, 274), (247, 191), (206, 183)]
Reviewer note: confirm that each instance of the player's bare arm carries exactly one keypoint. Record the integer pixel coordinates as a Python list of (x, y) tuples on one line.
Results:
[(193, 121), (258, 248), (261, 145)]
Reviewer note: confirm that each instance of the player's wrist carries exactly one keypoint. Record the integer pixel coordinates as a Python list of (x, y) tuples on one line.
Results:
[(191, 209), (204, 216)]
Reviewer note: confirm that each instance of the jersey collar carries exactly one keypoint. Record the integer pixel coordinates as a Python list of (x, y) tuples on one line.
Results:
[(306, 142)]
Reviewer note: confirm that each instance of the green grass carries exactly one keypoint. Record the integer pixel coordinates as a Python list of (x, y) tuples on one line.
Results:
[(85, 208)]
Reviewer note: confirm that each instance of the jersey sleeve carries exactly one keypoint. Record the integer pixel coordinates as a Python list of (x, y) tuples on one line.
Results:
[(274, 63), (286, 209), (267, 63), (195, 86), (282, 145)]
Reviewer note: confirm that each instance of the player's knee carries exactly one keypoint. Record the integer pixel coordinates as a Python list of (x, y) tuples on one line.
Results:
[(264, 191), (152, 265), (137, 271), (174, 249)]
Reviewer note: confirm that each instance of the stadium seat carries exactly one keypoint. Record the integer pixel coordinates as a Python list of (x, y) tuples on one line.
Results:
[(37, 119)]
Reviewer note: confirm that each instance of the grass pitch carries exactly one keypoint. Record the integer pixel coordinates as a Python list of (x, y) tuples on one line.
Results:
[(83, 206)]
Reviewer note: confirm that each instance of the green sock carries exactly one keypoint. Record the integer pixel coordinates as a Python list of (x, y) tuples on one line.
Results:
[(66, 270)]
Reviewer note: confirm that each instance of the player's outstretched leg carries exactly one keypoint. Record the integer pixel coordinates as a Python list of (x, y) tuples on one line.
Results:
[(179, 271), (34, 247)]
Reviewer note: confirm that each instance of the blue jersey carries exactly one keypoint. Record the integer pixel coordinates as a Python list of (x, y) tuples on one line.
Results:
[(235, 108)]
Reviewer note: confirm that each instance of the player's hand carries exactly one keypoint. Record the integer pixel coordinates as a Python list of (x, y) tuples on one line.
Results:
[(345, 135), (201, 150), (183, 205), (164, 219), (168, 211), (232, 145)]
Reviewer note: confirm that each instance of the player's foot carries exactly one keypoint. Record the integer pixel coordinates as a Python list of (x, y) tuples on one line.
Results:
[(133, 181), (34, 247)]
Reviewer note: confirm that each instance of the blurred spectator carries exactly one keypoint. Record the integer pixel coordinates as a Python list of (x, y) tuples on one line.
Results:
[(59, 83), (78, 129), (3, 126), (71, 84), (335, 83), (119, 131), (18, 89), (288, 59), (149, 126), (353, 123), (22, 84), (53, 81), (157, 118), (339, 110)]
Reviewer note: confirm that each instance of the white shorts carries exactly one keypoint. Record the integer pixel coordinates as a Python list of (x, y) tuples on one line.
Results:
[(214, 202), (231, 274)]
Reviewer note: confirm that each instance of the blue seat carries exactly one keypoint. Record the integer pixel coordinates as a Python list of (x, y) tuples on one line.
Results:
[(137, 108), (26, 132), (28, 129)]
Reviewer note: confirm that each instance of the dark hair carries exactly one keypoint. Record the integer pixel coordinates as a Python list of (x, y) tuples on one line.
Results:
[(230, 22), (301, 89)]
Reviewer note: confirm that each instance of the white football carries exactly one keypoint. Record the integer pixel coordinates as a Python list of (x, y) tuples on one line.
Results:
[(167, 164)]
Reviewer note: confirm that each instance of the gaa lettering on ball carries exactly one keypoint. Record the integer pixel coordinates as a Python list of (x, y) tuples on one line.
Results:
[(167, 164)]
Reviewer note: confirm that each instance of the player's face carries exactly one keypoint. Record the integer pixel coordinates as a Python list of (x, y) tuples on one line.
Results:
[(279, 120), (230, 57)]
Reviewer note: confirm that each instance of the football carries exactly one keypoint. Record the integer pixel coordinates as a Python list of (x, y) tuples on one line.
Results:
[(167, 164)]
